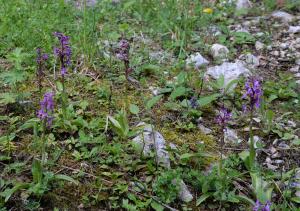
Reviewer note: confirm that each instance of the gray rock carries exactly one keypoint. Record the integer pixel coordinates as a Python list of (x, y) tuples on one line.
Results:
[(284, 46), (294, 29), (243, 4), (275, 53), (204, 129), (219, 51), (81, 3), (152, 141), (278, 161), (269, 47), (230, 136), (297, 183), (229, 70), (196, 60), (282, 16), (250, 60), (214, 30), (272, 167), (184, 193)]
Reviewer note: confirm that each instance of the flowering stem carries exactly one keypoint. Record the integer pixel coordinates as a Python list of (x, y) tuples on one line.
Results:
[(63, 97), (43, 150), (252, 149), (221, 152), (63, 101)]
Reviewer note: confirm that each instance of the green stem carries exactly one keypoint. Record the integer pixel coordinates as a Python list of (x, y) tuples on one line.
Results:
[(63, 98), (252, 149), (221, 153), (44, 143)]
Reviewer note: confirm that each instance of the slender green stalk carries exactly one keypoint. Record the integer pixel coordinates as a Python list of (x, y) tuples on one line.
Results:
[(43, 148), (252, 149), (221, 153)]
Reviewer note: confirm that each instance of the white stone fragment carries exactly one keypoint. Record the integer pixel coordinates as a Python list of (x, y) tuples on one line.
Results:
[(229, 70), (259, 46), (152, 141), (294, 29), (219, 51), (297, 183), (184, 193), (204, 129), (243, 4), (282, 16), (230, 136), (250, 60), (197, 60)]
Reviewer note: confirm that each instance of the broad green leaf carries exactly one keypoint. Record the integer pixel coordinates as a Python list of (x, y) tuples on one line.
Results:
[(66, 178), (84, 104), (202, 198), (153, 101), (178, 92), (296, 199), (203, 101), (59, 86), (114, 122), (230, 84), (9, 192), (29, 124), (134, 109), (187, 155), (245, 199), (156, 206), (37, 171)]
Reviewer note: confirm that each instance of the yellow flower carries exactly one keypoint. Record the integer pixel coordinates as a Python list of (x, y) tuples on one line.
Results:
[(208, 10)]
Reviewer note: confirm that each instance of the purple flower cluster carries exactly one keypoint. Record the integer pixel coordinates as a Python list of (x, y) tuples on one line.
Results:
[(47, 107), (223, 117), (262, 207), (63, 52), (41, 57), (123, 50), (193, 102), (253, 92)]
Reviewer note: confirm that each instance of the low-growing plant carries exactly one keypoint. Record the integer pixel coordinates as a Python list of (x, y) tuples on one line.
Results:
[(166, 186)]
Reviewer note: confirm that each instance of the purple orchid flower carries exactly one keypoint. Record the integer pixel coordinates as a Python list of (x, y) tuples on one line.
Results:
[(262, 207), (47, 108), (253, 93), (63, 52), (223, 117)]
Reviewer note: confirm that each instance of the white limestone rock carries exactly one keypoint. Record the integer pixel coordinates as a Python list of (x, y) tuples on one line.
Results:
[(152, 141), (243, 4), (250, 60), (229, 70), (259, 46), (282, 16), (230, 136), (294, 29), (219, 51), (184, 193), (196, 60)]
